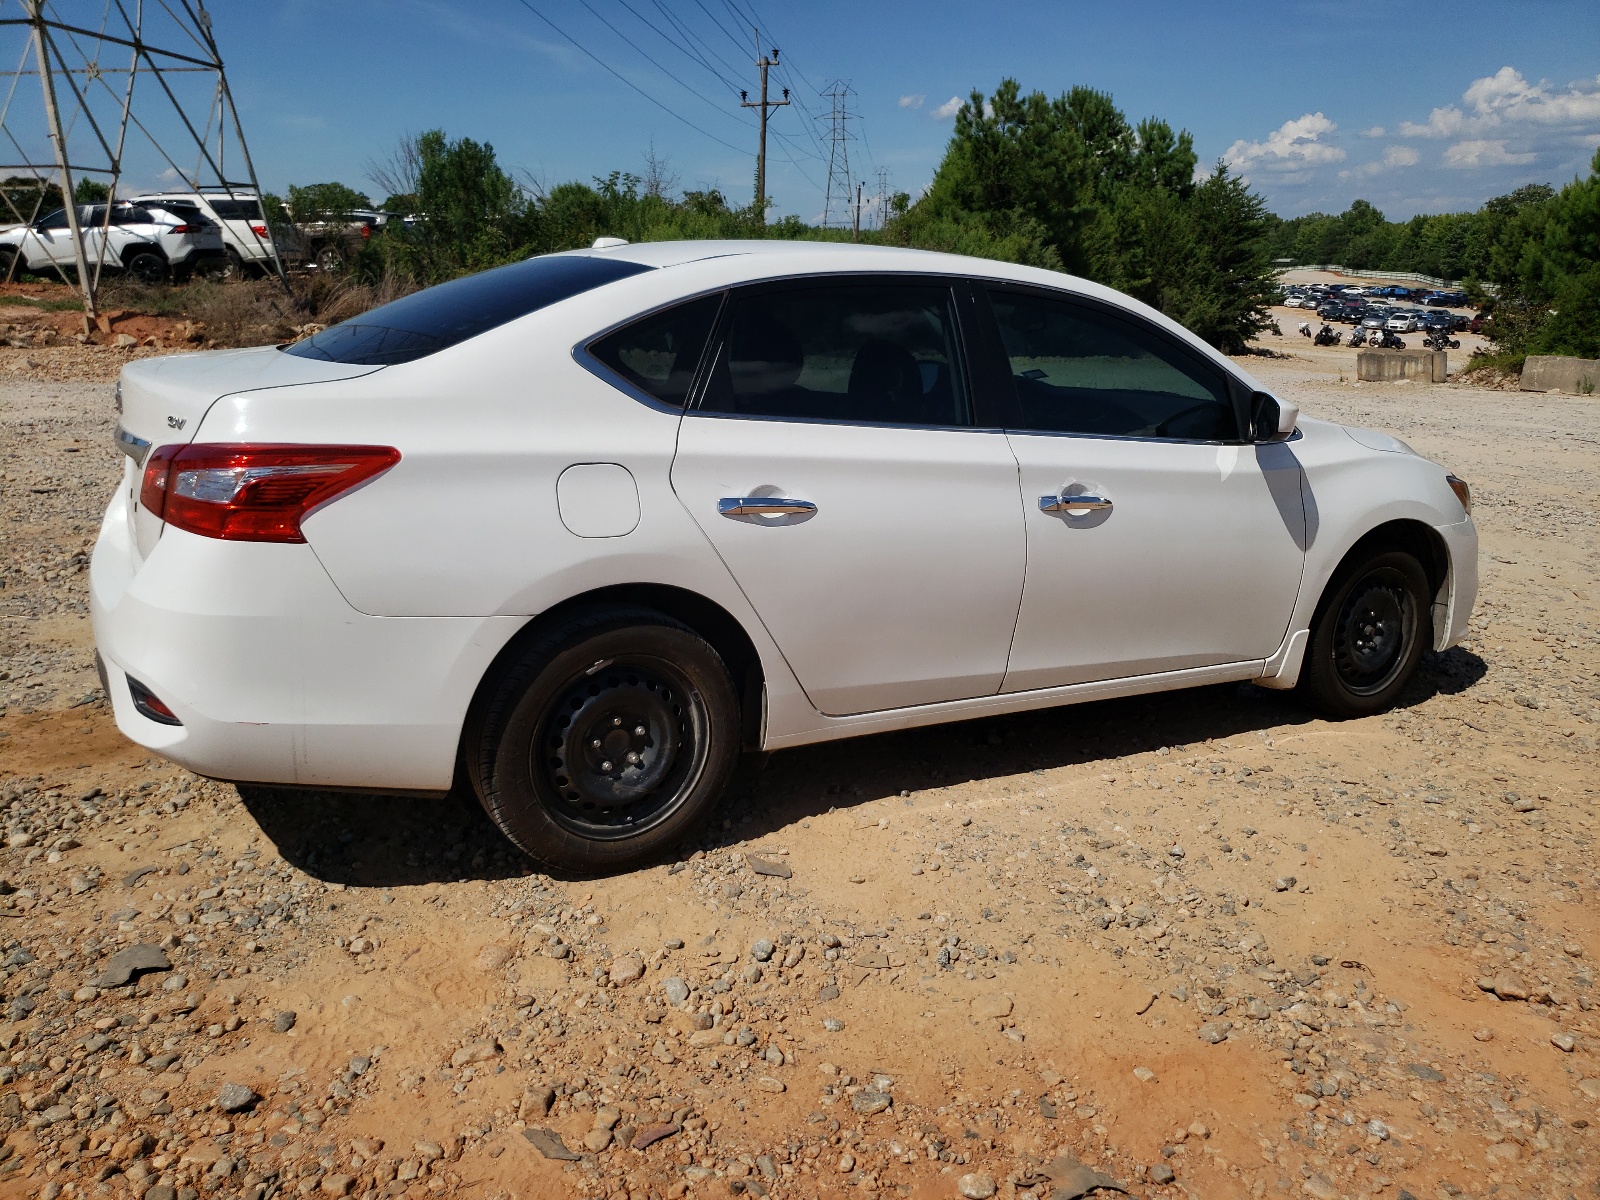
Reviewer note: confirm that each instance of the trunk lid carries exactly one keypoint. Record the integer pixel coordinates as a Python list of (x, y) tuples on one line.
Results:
[(161, 402)]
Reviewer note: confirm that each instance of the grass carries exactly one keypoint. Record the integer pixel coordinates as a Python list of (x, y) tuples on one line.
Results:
[(65, 304), (1507, 362)]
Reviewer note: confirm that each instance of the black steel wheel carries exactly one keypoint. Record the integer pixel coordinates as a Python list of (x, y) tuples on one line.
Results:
[(1368, 636), (606, 740)]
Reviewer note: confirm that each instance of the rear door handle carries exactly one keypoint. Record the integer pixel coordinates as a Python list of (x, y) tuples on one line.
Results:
[(762, 506), (1054, 504)]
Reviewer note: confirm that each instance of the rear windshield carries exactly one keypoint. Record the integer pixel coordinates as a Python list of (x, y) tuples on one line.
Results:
[(235, 210), (428, 321)]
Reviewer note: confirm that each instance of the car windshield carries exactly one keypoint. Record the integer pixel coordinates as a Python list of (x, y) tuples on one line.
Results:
[(430, 320)]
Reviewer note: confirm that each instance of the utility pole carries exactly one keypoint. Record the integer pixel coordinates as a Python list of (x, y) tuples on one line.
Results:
[(855, 228), (761, 155)]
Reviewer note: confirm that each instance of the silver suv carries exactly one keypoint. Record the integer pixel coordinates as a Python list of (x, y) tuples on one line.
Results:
[(245, 234), (152, 241)]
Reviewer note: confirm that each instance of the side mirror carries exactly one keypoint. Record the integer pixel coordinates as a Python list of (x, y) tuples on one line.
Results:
[(1271, 419)]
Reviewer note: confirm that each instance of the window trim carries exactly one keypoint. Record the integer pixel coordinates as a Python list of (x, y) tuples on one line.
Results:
[(583, 353), (1001, 378), (961, 339)]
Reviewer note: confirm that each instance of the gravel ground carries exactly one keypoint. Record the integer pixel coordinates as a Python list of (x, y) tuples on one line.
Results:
[(1202, 943)]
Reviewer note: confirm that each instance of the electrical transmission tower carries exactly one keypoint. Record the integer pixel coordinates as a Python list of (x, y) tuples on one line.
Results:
[(840, 194), (883, 197), (129, 92)]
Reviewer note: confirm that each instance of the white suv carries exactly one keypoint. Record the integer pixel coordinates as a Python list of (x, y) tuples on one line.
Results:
[(588, 526), (245, 233), (153, 241)]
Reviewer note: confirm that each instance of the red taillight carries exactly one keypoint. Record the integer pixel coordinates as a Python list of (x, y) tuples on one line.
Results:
[(186, 229), (259, 230), (366, 231), (253, 493)]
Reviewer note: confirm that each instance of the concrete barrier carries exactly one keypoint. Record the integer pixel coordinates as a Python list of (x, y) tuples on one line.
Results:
[(1424, 366), (1559, 373)]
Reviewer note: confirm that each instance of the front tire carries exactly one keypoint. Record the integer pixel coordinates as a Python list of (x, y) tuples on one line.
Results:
[(1368, 636), (605, 741)]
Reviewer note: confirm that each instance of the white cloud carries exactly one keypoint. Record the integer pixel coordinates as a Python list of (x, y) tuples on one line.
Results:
[(1441, 122), (1394, 156), (1377, 131), (1292, 146), (1507, 98), (912, 101), (1484, 152), (947, 110)]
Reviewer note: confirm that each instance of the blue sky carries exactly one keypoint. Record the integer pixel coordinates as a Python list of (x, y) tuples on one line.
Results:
[(1417, 107)]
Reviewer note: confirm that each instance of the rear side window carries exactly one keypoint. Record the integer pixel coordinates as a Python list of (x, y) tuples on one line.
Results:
[(659, 354), (866, 353), (235, 210), (430, 320), (1079, 369)]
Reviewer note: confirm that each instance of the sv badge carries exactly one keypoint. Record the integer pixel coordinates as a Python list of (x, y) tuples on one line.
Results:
[(176, 422)]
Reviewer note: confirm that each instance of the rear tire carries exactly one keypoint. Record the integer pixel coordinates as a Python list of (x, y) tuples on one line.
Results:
[(605, 741), (148, 268), (330, 260), (1369, 633)]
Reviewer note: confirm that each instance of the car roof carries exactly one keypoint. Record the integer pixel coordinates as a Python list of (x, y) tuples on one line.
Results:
[(754, 260)]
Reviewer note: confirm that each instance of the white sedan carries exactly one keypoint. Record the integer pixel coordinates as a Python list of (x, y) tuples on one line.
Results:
[(583, 529)]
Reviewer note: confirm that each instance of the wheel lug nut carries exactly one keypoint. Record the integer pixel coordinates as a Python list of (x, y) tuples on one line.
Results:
[(633, 758), (595, 743), (616, 720), (638, 731)]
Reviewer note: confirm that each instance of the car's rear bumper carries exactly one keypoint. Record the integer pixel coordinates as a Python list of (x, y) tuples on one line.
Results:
[(274, 677)]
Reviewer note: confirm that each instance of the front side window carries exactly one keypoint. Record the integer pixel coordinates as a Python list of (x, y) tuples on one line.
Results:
[(430, 320), (867, 353), (659, 354), (1080, 369), (55, 220)]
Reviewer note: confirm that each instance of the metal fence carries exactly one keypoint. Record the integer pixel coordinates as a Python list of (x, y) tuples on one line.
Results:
[(1444, 285)]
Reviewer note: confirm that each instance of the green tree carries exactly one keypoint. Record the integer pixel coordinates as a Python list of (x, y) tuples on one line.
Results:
[(90, 191), (324, 201), (1546, 265)]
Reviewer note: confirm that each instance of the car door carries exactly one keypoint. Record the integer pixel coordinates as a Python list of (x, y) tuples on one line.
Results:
[(833, 462), (1157, 539), (49, 241)]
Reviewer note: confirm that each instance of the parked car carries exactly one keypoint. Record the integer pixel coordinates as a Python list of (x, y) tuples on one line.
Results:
[(245, 234), (1477, 324), (1445, 299), (593, 523), (328, 246), (1401, 321), (153, 242)]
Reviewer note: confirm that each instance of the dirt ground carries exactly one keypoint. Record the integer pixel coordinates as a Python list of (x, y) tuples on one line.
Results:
[(1203, 937)]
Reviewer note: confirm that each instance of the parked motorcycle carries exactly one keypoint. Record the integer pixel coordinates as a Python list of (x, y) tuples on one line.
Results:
[(1391, 342), (1327, 336), (1440, 340), (1358, 338)]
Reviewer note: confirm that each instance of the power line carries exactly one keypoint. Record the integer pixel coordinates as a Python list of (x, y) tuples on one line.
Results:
[(628, 82), (646, 56), (683, 48)]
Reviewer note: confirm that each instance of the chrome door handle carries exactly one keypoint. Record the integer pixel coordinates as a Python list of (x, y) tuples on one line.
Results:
[(762, 506), (1053, 504)]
